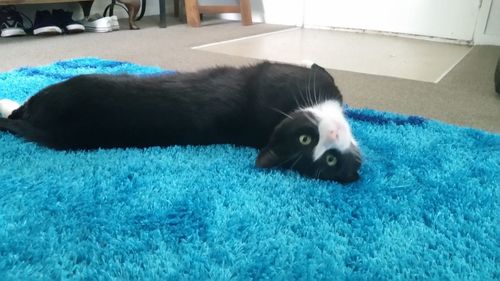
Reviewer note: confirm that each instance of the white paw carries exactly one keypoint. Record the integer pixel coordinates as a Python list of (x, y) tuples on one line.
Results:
[(7, 106)]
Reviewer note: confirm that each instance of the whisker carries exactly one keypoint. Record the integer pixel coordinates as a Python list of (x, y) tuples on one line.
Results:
[(356, 153), (308, 89), (311, 119), (301, 96), (295, 98), (296, 161), (281, 112), (311, 94), (314, 88), (288, 159), (319, 172), (320, 98), (357, 158)]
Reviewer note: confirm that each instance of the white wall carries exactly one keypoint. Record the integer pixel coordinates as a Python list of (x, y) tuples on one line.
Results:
[(488, 24), (493, 23), (454, 19), (288, 12), (473, 21)]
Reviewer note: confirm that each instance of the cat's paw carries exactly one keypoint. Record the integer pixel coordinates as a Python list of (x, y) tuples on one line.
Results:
[(7, 106)]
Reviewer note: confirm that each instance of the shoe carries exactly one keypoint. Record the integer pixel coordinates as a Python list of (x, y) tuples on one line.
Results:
[(66, 23), (45, 24), (114, 23), (96, 23), (11, 22)]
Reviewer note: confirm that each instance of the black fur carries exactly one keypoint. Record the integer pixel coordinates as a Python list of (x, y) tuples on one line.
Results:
[(241, 106)]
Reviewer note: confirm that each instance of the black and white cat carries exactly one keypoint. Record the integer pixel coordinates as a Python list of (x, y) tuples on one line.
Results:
[(293, 114)]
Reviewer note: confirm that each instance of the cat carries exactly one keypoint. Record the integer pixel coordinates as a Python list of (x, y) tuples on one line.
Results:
[(293, 114)]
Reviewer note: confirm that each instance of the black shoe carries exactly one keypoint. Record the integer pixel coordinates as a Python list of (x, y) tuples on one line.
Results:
[(11, 22), (45, 24), (66, 23)]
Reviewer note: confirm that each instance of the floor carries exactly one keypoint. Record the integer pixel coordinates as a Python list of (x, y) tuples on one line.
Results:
[(364, 53), (463, 96)]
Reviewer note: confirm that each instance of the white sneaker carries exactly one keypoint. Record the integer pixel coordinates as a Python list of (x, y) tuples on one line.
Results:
[(11, 22), (96, 23), (45, 24), (47, 30), (12, 31), (115, 23)]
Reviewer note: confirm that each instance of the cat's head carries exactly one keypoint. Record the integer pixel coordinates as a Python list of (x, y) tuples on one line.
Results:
[(315, 141)]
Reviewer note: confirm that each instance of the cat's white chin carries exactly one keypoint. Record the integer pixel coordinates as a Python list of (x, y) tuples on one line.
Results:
[(334, 130)]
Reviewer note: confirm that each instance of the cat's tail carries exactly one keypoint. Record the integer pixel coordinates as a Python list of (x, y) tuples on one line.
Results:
[(6, 109), (14, 124), (24, 129)]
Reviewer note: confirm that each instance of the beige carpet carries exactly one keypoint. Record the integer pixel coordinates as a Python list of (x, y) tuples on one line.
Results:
[(465, 96), (376, 54)]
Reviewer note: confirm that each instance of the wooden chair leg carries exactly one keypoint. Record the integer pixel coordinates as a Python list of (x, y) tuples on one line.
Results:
[(246, 12), (193, 11)]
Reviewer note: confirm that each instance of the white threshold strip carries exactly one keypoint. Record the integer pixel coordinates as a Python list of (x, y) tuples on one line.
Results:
[(452, 66), (245, 38)]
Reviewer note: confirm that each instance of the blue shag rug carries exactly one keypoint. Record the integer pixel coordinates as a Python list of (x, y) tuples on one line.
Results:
[(426, 207)]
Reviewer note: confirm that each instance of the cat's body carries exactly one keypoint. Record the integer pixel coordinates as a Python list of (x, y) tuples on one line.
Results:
[(221, 105)]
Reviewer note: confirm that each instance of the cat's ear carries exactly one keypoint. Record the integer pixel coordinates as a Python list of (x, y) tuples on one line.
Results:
[(354, 177), (317, 68), (267, 158)]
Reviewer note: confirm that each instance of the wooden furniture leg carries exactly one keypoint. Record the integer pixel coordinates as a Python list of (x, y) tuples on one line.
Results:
[(192, 13), (246, 12)]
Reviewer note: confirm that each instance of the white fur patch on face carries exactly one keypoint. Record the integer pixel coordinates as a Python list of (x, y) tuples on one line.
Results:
[(7, 106), (334, 130)]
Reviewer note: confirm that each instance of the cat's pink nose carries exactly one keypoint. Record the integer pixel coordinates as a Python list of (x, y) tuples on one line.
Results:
[(334, 134)]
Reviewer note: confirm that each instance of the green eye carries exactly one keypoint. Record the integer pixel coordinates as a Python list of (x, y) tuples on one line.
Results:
[(305, 139), (331, 160)]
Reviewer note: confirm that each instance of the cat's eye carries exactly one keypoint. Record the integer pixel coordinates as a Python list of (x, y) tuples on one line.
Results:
[(331, 160), (305, 139)]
